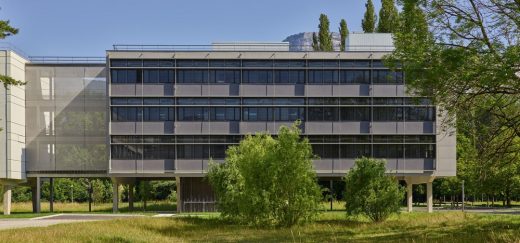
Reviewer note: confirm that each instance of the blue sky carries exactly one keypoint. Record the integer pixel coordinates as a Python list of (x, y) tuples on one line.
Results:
[(89, 27)]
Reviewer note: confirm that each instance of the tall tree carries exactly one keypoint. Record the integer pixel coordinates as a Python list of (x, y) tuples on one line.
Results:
[(388, 17), (369, 20), (7, 30), (324, 36), (343, 32), (466, 56), (315, 42)]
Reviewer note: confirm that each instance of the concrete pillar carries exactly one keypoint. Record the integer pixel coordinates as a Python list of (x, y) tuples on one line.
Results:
[(7, 199), (409, 196), (131, 196), (115, 195), (51, 199), (178, 194), (36, 194), (429, 196)]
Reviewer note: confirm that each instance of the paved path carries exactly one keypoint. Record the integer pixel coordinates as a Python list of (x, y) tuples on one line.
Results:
[(58, 219), (512, 211)]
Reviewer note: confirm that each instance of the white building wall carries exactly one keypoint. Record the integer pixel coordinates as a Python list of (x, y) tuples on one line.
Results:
[(12, 106), (446, 157)]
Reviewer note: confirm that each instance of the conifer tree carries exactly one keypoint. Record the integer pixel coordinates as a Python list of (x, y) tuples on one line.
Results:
[(343, 32), (315, 43), (369, 21), (388, 17), (324, 36)]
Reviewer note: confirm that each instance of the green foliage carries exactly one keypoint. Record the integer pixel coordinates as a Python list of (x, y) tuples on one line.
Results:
[(7, 30), (315, 42), (370, 18), (323, 42), (388, 17), (267, 181), (368, 191), (343, 32), (162, 190), (466, 56)]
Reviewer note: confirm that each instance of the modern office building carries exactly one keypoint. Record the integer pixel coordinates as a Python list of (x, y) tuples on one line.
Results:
[(162, 112)]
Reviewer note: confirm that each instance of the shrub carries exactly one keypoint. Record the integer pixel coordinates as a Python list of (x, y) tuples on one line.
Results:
[(370, 192), (267, 181)]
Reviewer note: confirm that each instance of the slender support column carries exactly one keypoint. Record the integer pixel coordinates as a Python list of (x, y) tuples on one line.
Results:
[(178, 194), (115, 195), (145, 193), (409, 196), (37, 196), (7, 199), (131, 196), (429, 196), (90, 191), (51, 196), (331, 193)]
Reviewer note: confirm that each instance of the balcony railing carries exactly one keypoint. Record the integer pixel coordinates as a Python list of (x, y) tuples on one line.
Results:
[(67, 60)]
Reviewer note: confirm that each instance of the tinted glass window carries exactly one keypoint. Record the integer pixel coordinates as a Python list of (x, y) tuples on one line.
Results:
[(192, 63), (420, 114), (257, 114), (355, 113), (387, 101), (289, 114), (257, 76), (323, 76), (387, 77), (355, 101), (323, 114), (355, 77), (353, 151), (224, 63), (130, 152), (257, 63), (192, 76), (193, 113), (289, 63), (224, 76), (289, 76), (323, 101), (388, 113), (354, 63), (126, 76)]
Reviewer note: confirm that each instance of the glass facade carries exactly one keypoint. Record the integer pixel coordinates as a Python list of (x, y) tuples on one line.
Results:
[(205, 125)]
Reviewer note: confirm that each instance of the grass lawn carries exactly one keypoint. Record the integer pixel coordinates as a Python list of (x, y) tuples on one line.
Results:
[(24, 209), (330, 227)]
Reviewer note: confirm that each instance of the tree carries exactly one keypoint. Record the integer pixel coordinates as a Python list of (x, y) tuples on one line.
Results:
[(343, 32), (368, 191), (315, 42), (267, 181), (388, 17), (369, 20), (466, 56), (324, 35), (7, 30)]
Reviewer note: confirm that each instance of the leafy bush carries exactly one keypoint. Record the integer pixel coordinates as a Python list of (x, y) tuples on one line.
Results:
[(267, 181), (370, 192)]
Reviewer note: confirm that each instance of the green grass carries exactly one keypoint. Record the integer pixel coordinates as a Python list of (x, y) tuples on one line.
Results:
[(24, 209), (330, 227)]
